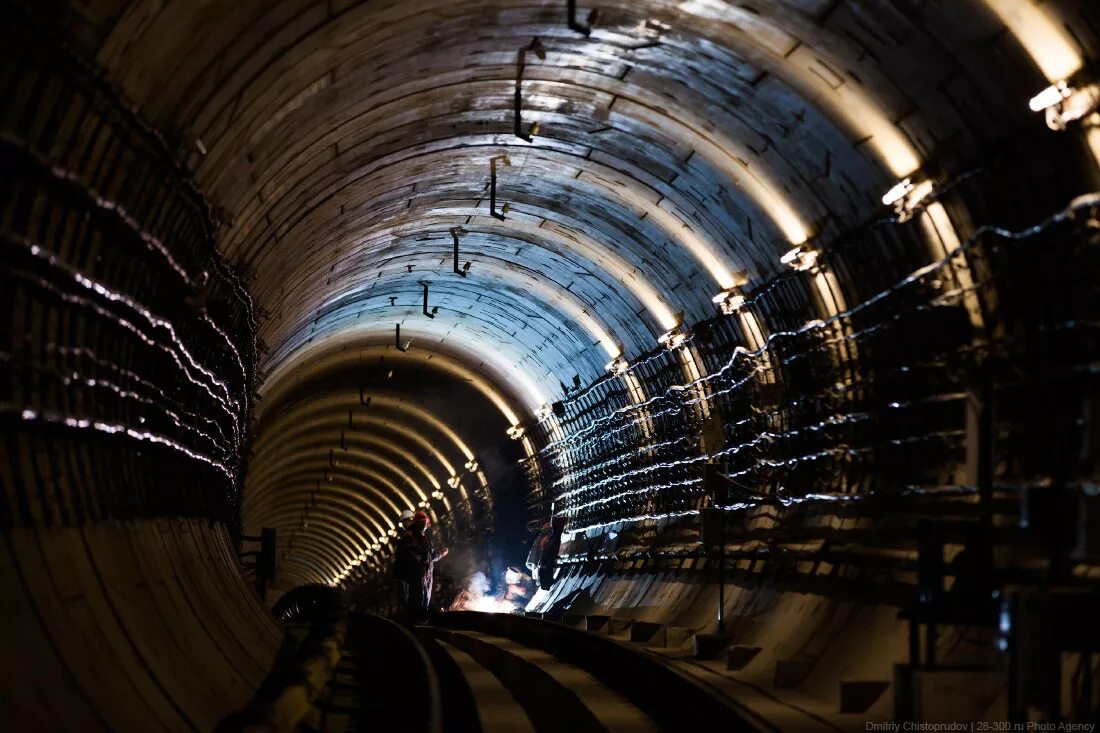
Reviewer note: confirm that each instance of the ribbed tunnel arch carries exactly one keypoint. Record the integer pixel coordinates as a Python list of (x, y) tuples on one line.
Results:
[(822, 268)]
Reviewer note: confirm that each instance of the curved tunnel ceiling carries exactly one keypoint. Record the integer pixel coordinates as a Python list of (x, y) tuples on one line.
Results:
[(674, 153)]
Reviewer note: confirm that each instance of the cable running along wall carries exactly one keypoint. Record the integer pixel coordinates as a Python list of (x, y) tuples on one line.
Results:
[(128, 346)]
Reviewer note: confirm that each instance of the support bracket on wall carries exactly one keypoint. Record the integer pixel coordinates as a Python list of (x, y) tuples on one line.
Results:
[(433, 311), (455, 231), (586, 29), (397, 339), (493, 187), (521, 63)]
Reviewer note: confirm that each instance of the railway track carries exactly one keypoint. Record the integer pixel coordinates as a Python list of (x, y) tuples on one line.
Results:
[(500, 673)]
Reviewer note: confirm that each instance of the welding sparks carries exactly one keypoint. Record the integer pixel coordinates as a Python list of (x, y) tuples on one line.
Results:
[(478, 596)]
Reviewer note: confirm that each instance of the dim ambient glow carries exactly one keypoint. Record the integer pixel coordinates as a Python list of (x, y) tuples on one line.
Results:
[(1092, 136), (351, 347), (1041, 35), (601, 256), (1054, 51), (726, 154), (638, 396), (565, 300)]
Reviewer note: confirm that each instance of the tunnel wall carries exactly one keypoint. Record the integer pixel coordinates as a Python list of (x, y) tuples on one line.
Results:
[(670, 133), (128, 625), (874, 399), (127, 351), (844, 400)]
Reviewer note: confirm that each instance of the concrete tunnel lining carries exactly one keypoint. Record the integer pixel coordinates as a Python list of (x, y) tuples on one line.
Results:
[(175, 251)]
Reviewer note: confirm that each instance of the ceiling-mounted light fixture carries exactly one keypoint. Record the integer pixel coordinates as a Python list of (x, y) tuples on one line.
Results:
[(544, 412), (453, 482), (437, 494), (1064, 104), (515, 432), (471, 465)]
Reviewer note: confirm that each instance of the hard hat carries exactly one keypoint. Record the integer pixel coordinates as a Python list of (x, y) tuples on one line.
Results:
[(406, 515), (422, 517)]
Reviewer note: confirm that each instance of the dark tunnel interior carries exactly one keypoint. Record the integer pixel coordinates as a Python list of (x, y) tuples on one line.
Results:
[(772, 324)]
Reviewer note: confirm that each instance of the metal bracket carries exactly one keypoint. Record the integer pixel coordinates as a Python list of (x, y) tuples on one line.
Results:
[(455, 231), (493, 187), (429, 314), (521, 63), (397, 339), (585, 30)]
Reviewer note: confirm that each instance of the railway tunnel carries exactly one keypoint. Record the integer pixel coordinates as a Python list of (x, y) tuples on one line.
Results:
[(776, 322)]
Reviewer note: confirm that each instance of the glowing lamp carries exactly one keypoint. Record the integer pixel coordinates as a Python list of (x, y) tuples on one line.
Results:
[(730, 301), (800, 258), (1050, 96), (618, 365), (900, 190)]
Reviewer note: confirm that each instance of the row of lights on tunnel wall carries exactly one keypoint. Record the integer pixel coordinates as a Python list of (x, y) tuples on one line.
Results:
[(1063, 105), (453, 482), (1062, 102)]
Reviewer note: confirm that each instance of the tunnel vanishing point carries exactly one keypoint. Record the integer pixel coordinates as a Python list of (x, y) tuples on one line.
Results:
[(786, 311)]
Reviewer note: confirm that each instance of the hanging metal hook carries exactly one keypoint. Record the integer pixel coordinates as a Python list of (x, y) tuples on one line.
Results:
[(521, 63), (455, 231), (593, 18), (434, 310), (493, 187)]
